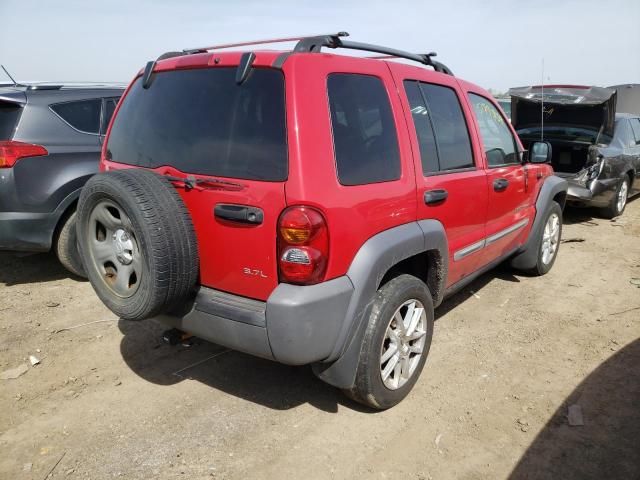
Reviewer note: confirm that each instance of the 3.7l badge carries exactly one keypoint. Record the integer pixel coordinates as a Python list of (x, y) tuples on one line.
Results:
[(253, 272)]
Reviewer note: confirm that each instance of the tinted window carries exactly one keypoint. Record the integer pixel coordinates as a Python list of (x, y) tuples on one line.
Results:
[(499, 144), (9, 116), (436, 112), (452, 136), (424, 129), (107, 113), (201, 121), (635, 126), (83, 115), (364, 133)]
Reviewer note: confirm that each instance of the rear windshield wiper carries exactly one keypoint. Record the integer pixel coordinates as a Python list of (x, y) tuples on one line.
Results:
[(190, 182)]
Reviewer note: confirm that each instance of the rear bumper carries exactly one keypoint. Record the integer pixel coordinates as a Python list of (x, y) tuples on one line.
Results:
[(24, 231), (598, 194), (297, 325)]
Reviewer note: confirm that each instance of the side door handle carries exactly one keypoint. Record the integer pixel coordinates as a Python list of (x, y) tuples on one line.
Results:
[(500, 184), (432, 197), (239, 213)]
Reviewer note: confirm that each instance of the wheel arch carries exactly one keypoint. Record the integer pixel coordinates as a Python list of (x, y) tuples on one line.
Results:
[(632, 175), (554, 189), (64, 215), (403, 247)]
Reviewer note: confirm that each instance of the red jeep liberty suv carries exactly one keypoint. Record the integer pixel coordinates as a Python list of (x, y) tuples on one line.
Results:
[(312, 208)]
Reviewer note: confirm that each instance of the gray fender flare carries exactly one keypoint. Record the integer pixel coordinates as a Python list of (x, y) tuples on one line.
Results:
[(528, 256), (371, 263)]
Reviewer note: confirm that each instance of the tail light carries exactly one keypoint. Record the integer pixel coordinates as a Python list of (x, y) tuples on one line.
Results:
[(303, 246), (11, 152)]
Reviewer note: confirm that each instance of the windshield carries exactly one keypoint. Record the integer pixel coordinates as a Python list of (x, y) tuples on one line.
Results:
[(201, 121)]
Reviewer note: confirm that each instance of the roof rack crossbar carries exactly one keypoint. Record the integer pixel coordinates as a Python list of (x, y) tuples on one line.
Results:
[(314, 44), (262, 42)]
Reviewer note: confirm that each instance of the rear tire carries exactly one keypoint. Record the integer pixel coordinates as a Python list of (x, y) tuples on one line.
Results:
[(618, 201), (66, 246), (137, 243), (387, 352)]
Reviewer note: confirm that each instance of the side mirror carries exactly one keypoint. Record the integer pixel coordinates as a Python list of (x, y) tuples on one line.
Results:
[(540, 152)]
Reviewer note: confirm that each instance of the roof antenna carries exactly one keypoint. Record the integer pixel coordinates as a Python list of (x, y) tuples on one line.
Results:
[(542, 103), (9, 75)]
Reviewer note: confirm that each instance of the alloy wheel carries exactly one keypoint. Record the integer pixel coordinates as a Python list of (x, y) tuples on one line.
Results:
[(550, 238), (403, 344)]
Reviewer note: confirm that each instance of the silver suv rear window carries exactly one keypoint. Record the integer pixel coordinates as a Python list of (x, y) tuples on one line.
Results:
[(201, 121)]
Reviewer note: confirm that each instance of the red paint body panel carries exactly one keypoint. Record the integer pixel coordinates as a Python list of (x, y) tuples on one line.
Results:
[(353, 213)]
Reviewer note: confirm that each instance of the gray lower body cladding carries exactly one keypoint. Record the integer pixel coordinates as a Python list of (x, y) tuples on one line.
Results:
[(296, 325), (318, 324)]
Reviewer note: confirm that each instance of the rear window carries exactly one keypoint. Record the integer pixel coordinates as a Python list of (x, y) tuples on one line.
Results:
[(364, 132), (9, 116), (201, 121)]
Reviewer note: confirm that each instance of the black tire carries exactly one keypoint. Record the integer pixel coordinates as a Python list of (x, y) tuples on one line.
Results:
[(613, 210), (369, 388), (541, 267), (161, 227), (66, 246)]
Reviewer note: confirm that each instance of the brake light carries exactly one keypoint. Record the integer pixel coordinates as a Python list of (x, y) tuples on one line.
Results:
[(303, 246), (11, 152)]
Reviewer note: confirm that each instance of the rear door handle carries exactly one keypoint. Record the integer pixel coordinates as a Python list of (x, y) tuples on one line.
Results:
[(500, 184), (432, 197), (239, 213)]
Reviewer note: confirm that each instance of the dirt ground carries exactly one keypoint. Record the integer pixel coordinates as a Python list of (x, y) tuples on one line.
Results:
[(510, 355)]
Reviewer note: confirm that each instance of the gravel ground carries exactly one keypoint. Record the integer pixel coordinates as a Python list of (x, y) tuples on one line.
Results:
[(510, 355)]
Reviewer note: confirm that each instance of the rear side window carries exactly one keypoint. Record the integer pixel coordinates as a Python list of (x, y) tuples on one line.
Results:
[(9, 116), (499, 144), (83, 115), (440, 127), (364, 133), (201, 121), (424, 129)]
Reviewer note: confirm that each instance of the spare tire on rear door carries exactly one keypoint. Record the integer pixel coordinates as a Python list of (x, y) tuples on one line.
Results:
[(137, 242)]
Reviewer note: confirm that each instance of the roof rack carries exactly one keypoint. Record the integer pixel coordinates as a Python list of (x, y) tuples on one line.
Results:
[(262, 42), (314, 44)]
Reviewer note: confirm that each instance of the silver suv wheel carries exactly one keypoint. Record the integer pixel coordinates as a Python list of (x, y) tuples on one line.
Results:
[(403, 344), (550, 238)]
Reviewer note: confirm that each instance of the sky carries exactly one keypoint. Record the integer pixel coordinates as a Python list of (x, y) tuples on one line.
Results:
[(494, 43)]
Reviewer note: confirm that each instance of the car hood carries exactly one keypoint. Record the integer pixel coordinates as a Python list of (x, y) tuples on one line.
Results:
[(589, 107)]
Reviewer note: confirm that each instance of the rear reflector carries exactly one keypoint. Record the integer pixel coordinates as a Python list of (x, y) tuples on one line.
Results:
[(11, 152)]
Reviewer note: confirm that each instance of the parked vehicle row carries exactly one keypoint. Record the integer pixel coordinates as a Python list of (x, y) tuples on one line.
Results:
[(50, 141), (303, 207)]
